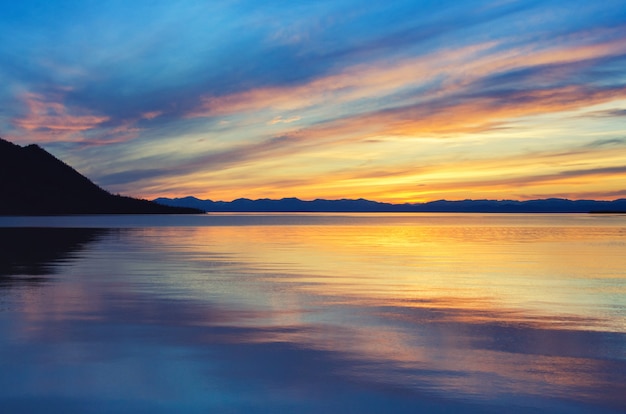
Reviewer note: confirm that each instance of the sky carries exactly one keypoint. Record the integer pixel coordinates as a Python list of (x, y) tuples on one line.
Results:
[(403, 101)]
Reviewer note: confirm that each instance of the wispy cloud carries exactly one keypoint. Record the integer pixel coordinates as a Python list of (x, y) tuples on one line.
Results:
[(468, 89), (49, 115), (608, 113), (280, 120)]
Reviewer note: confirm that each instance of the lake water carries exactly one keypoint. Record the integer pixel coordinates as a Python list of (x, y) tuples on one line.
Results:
[(313, 313)]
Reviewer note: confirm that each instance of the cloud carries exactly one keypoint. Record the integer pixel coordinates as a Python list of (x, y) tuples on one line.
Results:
[(461, 113), (467, 89), (151, 114), (49, 115), (582, 169), (280, 120), (607, 113), (607, 142), (182, 166), (47, 118), (349, 85)]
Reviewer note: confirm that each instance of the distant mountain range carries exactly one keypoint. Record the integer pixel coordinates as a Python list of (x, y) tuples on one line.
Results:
[(551, 205), (34, 182)]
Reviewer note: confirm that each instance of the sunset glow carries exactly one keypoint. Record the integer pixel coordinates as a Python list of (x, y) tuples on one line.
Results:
[(400, 102)]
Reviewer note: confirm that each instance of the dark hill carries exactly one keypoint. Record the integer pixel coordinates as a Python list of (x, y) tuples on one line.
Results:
[(34, 182)]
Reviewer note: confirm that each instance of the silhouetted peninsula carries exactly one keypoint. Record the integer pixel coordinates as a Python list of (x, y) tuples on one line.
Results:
[(34, 182)]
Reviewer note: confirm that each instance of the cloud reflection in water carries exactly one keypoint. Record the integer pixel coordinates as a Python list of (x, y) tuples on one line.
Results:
[(187, 319)]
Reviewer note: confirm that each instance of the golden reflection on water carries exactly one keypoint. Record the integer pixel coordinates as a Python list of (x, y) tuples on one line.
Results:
[(482, 309), (541, 277), (572, 277)]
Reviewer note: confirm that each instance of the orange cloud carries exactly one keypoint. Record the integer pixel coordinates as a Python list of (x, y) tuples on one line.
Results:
[(476, 113), (358, 82), (435, 76), (53, 117), (281, 120), (151, 115)]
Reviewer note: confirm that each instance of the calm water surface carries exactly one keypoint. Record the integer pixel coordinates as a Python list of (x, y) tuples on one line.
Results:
[(318, 313)]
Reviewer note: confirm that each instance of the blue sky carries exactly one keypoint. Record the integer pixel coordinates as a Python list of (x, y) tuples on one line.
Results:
[(393, 101)]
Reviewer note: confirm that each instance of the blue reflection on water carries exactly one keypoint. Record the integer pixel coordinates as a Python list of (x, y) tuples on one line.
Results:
[(107, 335)]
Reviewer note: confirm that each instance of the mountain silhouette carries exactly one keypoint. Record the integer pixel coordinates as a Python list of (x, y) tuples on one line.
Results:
[(550, 205), (34, 182)]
